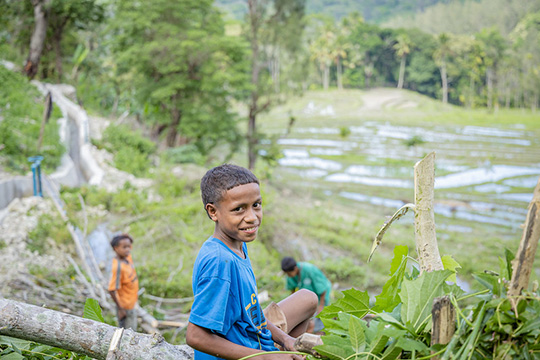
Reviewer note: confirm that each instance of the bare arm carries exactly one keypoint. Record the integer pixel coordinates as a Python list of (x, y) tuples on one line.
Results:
[(281, 337), (204, 340), (121, 310)]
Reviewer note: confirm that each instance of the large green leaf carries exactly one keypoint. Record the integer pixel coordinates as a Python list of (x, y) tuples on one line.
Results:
[(354, 302), (417, 296), (357, 335), (389, 297), (335, 347), (92, 310)]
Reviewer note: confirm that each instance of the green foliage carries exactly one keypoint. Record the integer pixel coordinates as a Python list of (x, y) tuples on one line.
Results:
[(182, 72), (92, 310), (21, 113), (49, 228), (185, 154), (344, 131), (17, 349), (132, 150), (413, 141), (493, 325)]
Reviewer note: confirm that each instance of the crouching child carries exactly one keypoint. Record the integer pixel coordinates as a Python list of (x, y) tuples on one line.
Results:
[(226, 320)]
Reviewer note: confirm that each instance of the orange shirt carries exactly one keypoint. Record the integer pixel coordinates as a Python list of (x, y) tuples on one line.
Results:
[(125, 282)]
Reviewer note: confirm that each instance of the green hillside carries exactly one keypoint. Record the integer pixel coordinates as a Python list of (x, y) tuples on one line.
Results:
[(466, 17), (372, 10)]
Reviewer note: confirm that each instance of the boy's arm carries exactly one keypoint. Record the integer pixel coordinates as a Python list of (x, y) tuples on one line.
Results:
[(121, 311), (204, 340), (281, 337)]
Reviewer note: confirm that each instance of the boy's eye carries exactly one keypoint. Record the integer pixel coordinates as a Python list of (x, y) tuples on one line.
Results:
[(237, 209), (257, 205)]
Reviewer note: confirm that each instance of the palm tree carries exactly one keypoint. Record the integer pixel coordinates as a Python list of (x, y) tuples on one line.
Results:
[(441, 57), (403, 48)]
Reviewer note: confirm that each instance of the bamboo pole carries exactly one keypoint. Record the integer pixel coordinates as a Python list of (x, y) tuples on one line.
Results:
[(424, 219), (522, 264)]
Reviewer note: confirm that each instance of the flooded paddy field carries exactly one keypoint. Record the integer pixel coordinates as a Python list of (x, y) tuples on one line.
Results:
[(355, 151)]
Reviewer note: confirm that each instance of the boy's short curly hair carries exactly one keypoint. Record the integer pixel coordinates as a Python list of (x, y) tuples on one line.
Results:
[(116, 240), (222, 178)]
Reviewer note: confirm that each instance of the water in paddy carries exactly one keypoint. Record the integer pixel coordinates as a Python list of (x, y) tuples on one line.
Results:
[(483, 174)]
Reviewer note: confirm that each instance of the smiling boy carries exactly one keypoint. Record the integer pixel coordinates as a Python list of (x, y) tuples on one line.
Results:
[(226, 320)]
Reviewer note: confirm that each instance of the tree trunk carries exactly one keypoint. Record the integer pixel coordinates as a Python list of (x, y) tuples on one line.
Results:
[(339, 74), (83, 336), (252, 136), (37, 40), (176, 116), (444, 80), (57, 42), (255, 23), (401, 72), (471, 92), (522, 265), (326, 77), (424, 220), (489, 84)]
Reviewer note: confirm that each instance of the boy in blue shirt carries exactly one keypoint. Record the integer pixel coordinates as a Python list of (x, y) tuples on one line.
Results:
[(226, 320)]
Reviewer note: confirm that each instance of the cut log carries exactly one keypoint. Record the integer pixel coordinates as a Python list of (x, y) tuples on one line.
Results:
[(424, 219), (82, 336), (522, 264)]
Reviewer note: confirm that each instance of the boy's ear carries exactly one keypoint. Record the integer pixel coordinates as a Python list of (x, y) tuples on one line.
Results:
[(211, 210)]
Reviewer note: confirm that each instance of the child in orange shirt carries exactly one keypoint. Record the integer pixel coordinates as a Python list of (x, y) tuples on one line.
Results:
[(124, 284)]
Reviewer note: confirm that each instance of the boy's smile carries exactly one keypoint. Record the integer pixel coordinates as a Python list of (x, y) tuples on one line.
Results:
[(237, 216)]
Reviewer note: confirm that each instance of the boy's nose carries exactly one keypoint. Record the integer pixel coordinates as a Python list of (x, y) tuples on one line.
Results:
[(251, 216)]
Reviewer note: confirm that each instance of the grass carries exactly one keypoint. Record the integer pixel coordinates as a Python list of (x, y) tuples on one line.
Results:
[(21, 113)]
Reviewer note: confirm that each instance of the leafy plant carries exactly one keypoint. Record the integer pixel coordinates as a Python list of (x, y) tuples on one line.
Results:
[(495, 325), (92, 310)]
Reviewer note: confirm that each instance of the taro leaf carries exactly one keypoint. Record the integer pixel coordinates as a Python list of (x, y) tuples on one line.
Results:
[(356, 334), (354, 302), (338, 348), (389, 297), (92, 310), (530, 325), (450, 264), (417, 296), (409, 344)]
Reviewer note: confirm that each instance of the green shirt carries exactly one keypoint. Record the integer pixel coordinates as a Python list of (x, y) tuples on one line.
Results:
[(311, 278)]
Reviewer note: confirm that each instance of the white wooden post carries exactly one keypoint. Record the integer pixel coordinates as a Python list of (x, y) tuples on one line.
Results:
[(424, 220)]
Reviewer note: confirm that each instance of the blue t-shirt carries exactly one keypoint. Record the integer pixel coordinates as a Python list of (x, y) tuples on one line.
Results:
[(226, 300)]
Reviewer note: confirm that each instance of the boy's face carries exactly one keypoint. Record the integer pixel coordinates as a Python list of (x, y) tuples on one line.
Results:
[(123, 249), (238, 215), (293, 272)]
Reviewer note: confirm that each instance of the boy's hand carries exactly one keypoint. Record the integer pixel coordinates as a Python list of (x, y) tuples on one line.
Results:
[(288, 343), (121, 313)]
